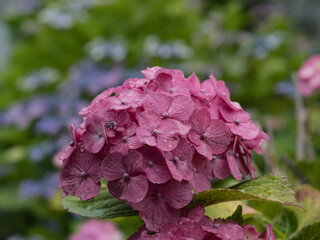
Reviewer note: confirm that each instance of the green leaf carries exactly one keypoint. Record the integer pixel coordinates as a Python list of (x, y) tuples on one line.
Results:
[(264, 188), (102, 206), (309, 232), (237, 215)]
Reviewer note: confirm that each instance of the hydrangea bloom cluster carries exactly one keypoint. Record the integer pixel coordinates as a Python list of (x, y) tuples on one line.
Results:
[(309, 76), (192, 224), (97, 230), (157, 140)]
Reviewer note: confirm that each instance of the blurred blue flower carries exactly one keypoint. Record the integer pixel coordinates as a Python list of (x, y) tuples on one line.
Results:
[(44, 188), (40, 151), (100, 48), (285, 88), (38, 78)]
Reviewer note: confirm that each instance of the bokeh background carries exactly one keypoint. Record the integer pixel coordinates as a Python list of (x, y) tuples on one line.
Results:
[(55, 56)]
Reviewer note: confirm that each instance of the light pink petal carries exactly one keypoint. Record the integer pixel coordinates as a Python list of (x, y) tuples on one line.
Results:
[(184, 128), (268, 234), (200, 183), (248, 130), (120, 148), (181, 108), (218, 136), (182, 170), (117, 188), (146, 137), (167, 138), (194, 137), (234, 169), (133, 162), (137, 189), (200, 120), (204, 149), (157, 214), (150, 72), (221, 168), (88, 189), (157, 102), (177, 194), (154, 165), (233, 116), (149, 120), (112, 167), (133, 142)]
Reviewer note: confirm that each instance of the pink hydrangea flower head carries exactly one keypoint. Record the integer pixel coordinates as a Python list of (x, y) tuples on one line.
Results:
[(309, 76), (81, 175), (95, 229), (154, 165), (210, 136), (179, 161), (163, 202), (157, 132), (126, 181), (178, 108)]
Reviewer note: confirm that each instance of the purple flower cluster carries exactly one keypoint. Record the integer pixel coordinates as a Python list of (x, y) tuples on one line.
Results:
[(192, 224), (157, 140)]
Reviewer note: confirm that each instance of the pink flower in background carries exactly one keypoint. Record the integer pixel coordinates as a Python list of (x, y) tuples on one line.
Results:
[(309, 76), (95, 229), (80, 175), (126, 180)]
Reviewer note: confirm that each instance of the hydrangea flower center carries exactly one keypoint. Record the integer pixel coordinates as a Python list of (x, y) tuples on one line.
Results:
[(165, 115), (100, 134), (125, 139), (202, 90), (155, 132), (176, 160), (204, 136), (123, 102), (171, 90), (157, 195), (237, 122), (125, 176), (83, 174), (111, 124), (72, 143), (150, 163)]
